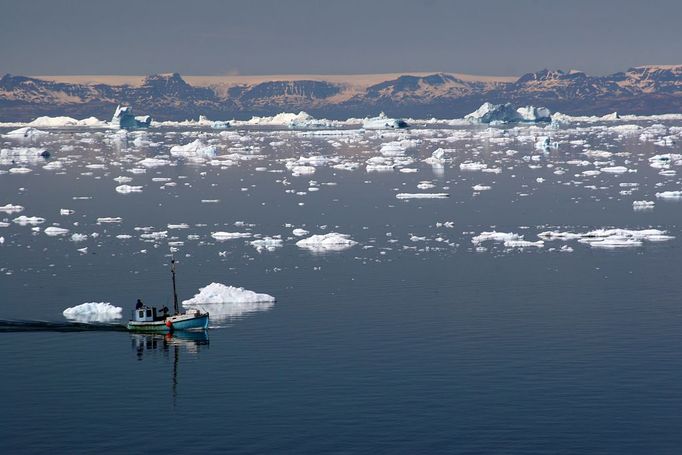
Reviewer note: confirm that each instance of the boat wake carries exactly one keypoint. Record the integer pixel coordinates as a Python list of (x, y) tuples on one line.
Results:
[(47, 326)]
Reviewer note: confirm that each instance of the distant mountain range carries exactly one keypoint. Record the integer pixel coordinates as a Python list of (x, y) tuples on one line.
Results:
[(642, 90)]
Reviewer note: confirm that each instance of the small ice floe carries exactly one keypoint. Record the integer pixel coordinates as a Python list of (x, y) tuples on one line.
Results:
[(24, 220), (425, 185), (23, 154), (178, 226), (78, 237), (422, 195), (300, 232), (54, 231), (495, 236), (230, 235), (382, 122), (302, 170), (267, 243), (26, 132), (93, 312), (469, 166), (545, 143), (229, 302), (673, 195), (109, 219), (643, 205), (194, 150), (480, 187), (614, 169), (11, 208), (123, 179), (66, 212), (327, 242), (19, 170), (153, 162), (523, 244), (611, 238), (127, 189)]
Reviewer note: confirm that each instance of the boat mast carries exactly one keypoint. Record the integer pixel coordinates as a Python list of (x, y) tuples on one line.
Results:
[(175, 292)]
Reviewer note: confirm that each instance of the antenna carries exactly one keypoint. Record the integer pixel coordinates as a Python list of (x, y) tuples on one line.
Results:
[(175, 292)]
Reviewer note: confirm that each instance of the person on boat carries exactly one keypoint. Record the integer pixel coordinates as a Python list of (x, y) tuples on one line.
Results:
[(164, 311), (139, 304)]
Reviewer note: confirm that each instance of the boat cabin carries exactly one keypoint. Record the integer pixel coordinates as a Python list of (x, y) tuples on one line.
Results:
[(147, 314)]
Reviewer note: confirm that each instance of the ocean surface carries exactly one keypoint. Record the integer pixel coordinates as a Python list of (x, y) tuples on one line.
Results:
[(423, 337)]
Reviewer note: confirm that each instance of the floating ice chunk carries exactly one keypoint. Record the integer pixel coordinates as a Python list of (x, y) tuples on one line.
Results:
[(669, 195), (267, 243), (11, 208), (495, 237), (66, 212), (24, 220), (23, 153), (489, 112), (523, 244), (468, 166), (545, 143), (614, 169), (534, 114), (422, 195), (383, 123), (229, 302), (78, 237), (230, 235), (195, 149), (153, 162), (108, 219), (52, 122), (615, 243), (54, 231), (480, 188), (123, 179), (178, 226), (220, 293), (505, 113), (25, 133), (327, 242), (19, 170), (125, 119), (127, 189), (300, 232), (640, 205), (93, 312), (302, 170)]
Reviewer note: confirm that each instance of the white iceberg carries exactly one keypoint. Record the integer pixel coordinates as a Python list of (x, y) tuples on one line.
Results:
[(422, 195), (229, 302), (505, 113), (382, 122), (195, 149), (327, 242), (93, 312)]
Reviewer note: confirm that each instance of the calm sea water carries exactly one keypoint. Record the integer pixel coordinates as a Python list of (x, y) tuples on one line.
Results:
[(411, 341)]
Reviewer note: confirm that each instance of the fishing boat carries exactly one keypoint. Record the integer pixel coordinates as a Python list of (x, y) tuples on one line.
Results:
[(149, 319)]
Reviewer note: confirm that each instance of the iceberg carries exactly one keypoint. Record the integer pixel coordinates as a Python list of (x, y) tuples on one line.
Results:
[(505, 113), (229, 302), (26, 132), (327, 242), (93, 312), (125, 119), (57, 122), (382, 122), (195, 149)]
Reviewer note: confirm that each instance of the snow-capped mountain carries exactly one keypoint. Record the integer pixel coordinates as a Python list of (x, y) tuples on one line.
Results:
[(639, 90)]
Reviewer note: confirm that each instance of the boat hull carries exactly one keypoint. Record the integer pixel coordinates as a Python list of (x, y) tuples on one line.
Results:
[(171, 324)]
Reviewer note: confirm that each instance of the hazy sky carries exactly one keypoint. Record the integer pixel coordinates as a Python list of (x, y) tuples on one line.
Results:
[(209, 37)]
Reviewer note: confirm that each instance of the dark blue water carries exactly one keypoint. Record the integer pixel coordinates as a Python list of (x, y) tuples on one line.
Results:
[(399, 347)]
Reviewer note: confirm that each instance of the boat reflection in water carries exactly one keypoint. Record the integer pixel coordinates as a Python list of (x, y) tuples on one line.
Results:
[(154, 343)]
